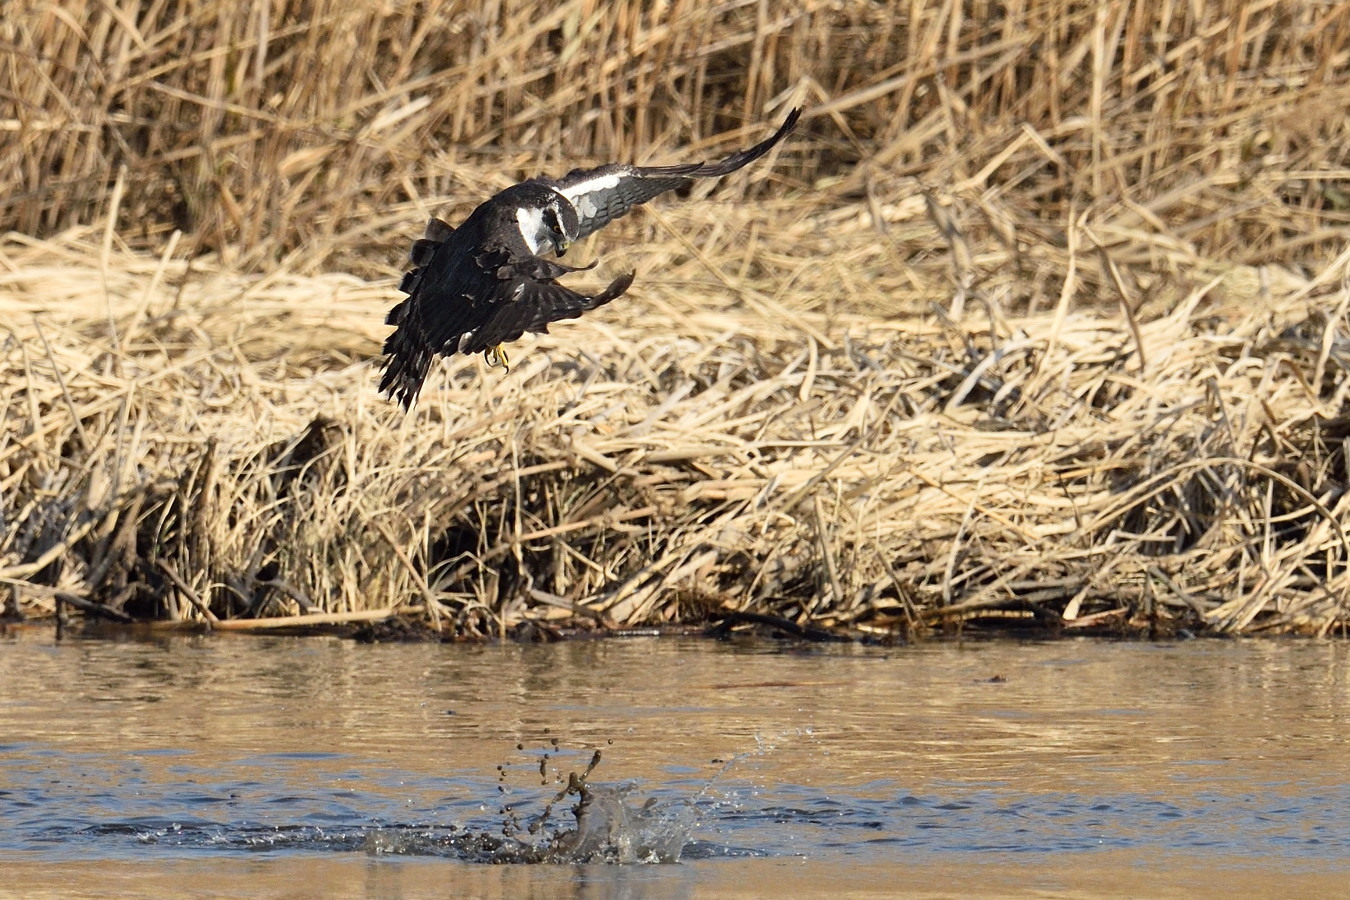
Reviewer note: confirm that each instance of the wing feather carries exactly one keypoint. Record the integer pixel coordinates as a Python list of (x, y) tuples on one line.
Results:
[(570, 305), (438, 230), (606, 193), (535, 305), (423, 249)]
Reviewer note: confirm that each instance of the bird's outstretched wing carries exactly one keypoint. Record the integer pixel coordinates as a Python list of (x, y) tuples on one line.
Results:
[(604, 194)]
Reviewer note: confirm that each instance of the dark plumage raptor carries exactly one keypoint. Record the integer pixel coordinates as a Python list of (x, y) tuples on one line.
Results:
[(475, 287)]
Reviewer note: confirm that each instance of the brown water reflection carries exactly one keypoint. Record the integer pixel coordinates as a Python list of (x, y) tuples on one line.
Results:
[(1066, 769)]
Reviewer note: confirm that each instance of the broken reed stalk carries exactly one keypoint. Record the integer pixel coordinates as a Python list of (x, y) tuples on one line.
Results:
[(1041, 316)]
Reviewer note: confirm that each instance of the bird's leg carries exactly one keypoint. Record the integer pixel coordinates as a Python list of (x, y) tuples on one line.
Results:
[(495, 356)]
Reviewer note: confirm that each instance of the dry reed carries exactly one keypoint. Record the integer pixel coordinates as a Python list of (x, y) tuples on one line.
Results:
[(1042, 317)]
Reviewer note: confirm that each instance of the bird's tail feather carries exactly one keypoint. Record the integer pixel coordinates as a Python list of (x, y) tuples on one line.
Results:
[(406, 363)]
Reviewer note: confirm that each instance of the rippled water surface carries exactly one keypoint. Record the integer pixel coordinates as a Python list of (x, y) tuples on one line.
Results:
[(227, 766)]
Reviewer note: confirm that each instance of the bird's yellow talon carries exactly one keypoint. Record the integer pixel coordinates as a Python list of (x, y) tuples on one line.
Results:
[(496, 356)]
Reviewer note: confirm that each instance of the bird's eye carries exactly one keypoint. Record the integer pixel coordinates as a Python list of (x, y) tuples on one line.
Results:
[(551, 220)]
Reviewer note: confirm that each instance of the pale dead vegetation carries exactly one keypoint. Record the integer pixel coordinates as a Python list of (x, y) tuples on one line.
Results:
[(1042, 316)]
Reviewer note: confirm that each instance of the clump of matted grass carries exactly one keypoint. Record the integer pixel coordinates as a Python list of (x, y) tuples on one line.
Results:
[(208, 445)]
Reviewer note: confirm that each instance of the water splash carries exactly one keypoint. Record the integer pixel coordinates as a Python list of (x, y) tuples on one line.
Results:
[(609, 824)]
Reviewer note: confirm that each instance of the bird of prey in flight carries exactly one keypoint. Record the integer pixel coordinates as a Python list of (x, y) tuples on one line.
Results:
[(475, 287)]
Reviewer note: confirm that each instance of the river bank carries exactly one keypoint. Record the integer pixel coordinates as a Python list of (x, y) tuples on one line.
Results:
[(983, 346)]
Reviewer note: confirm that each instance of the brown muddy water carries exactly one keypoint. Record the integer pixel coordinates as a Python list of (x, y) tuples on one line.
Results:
[(231, 767)]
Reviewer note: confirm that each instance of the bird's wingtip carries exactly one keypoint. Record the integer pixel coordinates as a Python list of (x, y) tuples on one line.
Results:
[(789, 123)]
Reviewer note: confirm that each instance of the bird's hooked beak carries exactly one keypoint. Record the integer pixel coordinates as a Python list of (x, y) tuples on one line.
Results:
[(560, 246)]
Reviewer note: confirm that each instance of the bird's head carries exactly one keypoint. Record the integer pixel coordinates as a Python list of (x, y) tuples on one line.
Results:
[(560, 218), (550, 224)]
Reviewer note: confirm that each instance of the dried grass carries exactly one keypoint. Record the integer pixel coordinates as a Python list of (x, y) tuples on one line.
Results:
[(1044, 316)]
